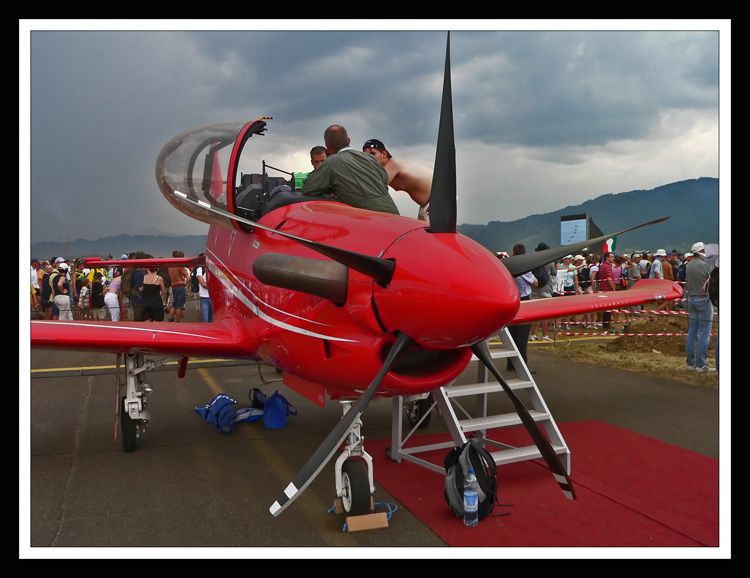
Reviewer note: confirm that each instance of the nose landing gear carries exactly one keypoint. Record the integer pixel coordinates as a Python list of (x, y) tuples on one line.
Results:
[(353, 471)]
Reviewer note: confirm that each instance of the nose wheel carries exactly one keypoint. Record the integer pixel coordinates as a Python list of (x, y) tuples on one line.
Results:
[(355, 497), (353, 471)]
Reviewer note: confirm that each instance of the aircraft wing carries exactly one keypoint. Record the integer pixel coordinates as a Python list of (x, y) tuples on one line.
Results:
[(161, 262), (644, 291), (221, 339)]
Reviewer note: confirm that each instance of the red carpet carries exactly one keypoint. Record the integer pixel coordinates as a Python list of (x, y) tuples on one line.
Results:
[(633, 491)]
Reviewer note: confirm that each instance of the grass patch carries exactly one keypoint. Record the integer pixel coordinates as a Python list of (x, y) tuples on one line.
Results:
[(652, 362)]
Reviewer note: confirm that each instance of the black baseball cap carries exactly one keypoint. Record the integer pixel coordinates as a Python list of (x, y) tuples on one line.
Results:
[(374, 143)]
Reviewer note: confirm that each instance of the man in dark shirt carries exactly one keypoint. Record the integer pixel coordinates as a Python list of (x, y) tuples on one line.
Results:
[(353, 176), (520, 333), (97, 298)]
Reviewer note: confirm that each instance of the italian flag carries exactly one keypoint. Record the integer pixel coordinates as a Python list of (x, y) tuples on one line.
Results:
[(609, 245)]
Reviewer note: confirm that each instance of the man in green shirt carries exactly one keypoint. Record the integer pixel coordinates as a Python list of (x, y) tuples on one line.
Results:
[(354, 177)]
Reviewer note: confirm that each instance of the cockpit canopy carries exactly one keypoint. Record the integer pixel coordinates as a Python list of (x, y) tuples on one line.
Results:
[(202, 164)]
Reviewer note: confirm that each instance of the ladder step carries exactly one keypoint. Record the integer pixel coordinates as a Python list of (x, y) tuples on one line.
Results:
[(511, 455), (450, 405), (485, 387), (498, 354), (498, 421)]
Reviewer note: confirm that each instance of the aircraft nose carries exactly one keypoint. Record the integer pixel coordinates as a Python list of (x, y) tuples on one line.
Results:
[(447, 291)]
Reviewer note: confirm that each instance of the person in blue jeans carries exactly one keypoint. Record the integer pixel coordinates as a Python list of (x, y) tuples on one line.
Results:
[(207, 310), (700, 310)]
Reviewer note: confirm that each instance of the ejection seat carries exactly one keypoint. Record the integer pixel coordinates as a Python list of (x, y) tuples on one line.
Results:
[(255, 199)]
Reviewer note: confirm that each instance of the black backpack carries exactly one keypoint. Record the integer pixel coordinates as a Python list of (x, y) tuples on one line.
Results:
[(584, 278), (48, 282), (541, 276), (457, 463)]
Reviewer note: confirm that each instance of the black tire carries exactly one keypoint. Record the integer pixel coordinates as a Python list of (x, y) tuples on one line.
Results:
[(356, 482), (417, 409), (127, 429)]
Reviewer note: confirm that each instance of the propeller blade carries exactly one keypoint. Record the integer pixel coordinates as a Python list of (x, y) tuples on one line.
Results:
[(443, 191), (334, 439), (379, 269), (481, 350), (520, 264)]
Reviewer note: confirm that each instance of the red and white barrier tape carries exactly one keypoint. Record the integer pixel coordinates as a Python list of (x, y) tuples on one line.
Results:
[(620, 334)]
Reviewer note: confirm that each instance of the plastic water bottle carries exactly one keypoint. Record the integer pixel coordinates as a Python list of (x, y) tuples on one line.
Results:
[(471, 499)]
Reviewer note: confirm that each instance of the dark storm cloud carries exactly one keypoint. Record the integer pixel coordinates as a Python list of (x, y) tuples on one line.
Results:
[(557, 117)]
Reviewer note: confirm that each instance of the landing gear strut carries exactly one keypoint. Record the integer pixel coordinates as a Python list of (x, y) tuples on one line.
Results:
[(133, 398), (418, 410), (353, 471)]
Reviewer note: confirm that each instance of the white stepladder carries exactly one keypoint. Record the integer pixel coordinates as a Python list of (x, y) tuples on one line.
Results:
[(454, 401)]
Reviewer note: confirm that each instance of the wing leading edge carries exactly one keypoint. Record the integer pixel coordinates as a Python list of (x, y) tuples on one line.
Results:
[(221, 339), (644, 291)]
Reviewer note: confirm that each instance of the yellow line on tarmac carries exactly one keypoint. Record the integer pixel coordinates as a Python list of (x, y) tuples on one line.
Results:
[(210, 381), (81, 368), (312, 507)]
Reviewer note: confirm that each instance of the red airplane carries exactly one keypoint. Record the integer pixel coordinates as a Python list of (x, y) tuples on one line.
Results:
[(344, 301)]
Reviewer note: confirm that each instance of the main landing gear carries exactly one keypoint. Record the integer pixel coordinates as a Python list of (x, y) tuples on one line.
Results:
[(418, 410), (353, 471), (132, 395)]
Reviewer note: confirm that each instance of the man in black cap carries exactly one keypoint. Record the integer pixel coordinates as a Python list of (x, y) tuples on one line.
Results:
[(701, 311), (412, 178), (350, 175), (543, 291)]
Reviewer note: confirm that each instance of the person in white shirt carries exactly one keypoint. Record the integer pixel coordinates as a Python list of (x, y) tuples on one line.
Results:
[(36, 292), (207, 309)]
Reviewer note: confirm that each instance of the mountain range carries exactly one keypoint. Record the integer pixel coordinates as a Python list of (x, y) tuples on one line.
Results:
[(693, 206)]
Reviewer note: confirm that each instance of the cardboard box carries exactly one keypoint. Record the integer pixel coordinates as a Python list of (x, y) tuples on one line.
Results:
[(372, 521), (366, 522)]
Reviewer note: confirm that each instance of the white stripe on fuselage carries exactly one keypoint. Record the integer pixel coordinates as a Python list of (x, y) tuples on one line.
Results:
[(233, 286), (149, 328)]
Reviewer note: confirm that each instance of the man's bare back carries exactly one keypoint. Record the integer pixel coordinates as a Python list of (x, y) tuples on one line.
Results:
[(178, 275), (412, 178)]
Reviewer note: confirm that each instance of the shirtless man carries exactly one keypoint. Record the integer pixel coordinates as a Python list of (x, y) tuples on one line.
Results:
[(413, 178), (178, 279)]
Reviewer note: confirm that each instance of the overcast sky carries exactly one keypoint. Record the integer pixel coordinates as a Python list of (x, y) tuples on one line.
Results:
[(544, 119)]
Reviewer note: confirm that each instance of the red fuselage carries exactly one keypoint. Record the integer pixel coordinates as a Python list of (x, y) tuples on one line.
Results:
[(447, 293)]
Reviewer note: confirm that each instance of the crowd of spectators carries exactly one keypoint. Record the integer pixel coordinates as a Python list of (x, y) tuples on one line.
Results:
[(592, 273), (64, 288), (627, 270), (574, 274)]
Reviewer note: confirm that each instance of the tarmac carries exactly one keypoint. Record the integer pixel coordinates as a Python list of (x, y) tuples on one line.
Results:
[(190, 491)]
